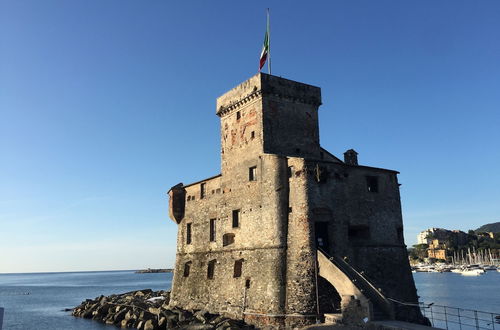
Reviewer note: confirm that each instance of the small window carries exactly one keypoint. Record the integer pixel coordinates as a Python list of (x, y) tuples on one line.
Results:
[(399, 231), (238, 115), (236, 218), (247, 283), (252, 135), (238, 265), (359, 232), (187, 268), (211, 269), (372, 183), (227, 239), (188, 233), (290, 171), (252, 173), (212, 230), (203, 190)]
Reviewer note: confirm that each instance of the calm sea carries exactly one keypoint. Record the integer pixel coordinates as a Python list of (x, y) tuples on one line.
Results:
[(37, 301)]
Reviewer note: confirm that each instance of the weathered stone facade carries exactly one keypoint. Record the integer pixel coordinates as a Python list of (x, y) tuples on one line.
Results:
[(248, 237)]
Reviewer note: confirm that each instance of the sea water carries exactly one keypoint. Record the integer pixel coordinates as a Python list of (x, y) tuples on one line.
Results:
[(38, 300)]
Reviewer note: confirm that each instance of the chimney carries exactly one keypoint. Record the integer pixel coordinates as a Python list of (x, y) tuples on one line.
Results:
[(351, 157)]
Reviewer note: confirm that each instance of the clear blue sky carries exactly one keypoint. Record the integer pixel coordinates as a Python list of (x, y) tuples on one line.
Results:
[(104, 105)]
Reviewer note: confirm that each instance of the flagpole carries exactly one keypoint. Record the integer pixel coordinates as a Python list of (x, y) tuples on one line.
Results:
[(269, 42)]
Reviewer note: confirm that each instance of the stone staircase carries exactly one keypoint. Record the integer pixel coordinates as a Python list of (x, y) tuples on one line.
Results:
[(361, 301)]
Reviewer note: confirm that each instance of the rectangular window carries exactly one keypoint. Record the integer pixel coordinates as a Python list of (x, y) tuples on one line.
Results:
[(372, 183), (203, 190), (238, 115), (211, 269), (227, 239), (238, 265), (359, 232), (236, 218), (252, 135), (252, 173), (212, 230), (187, 268), (399, 231), (188, 233)]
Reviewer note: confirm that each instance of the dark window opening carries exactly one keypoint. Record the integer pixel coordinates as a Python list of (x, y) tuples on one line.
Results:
[(227, 239), (238, 115), (290, 171), (203, 188), (359, 232), (211, 269), (238, 265), (252, 135), (247, 283), (212, 230), (372, 183), (236, 218), (187, 267), (189, 198), (252, 173), (399, 231), (321, 233), (188, 233), (289, 209)]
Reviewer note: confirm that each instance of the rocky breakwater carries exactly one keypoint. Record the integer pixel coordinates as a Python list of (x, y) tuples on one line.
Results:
[(148, 310)]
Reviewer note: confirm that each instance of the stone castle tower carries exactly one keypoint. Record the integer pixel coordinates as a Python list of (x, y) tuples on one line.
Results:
[(288, 233)]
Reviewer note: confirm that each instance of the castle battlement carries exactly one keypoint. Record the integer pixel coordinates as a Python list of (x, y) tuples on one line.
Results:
[(268, 85)]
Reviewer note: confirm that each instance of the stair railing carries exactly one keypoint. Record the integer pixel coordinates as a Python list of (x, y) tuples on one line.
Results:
[(363, 284)]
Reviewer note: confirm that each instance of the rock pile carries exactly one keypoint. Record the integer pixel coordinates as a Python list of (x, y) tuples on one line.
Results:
[(147, 310)]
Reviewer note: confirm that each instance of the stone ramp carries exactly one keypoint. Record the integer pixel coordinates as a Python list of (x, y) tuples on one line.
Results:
[(374, 325), (351, 284)]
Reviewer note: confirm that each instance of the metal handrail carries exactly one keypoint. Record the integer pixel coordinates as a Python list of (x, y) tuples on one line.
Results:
[(455, 317)]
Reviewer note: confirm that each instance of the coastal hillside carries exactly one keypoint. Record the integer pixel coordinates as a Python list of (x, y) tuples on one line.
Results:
[(490, 227)]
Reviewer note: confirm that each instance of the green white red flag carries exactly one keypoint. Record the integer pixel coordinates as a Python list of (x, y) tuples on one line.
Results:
[(265, 53)]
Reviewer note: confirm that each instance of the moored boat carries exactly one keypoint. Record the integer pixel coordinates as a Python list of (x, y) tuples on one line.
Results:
[(472, 272)]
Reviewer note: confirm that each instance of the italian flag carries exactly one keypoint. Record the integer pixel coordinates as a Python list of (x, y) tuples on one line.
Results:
[(265, 50)]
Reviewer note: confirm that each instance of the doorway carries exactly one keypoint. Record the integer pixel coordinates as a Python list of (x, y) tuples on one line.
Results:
[(321, 231)]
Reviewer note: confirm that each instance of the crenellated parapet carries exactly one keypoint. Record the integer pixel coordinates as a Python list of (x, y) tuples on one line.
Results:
[(264, 85)]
